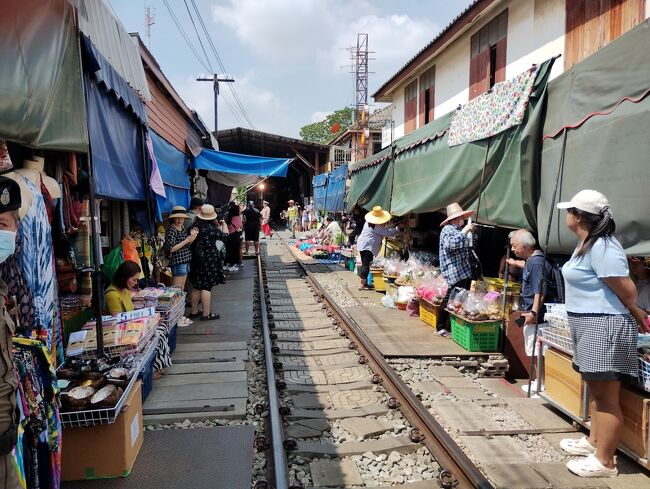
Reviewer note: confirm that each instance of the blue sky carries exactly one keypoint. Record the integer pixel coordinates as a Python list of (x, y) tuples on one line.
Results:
[(288, 57)]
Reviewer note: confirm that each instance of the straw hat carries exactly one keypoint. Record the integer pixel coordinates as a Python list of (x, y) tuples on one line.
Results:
[(207, 213), (178, 211), (455, 211), (378, 216)]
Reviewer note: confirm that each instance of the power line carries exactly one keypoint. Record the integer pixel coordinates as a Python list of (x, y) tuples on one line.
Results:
[(221, 65), (196, 54), (207, 58)]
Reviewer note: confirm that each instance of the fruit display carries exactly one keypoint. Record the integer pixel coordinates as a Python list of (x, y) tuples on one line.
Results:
[(433, 289), (476, 306)]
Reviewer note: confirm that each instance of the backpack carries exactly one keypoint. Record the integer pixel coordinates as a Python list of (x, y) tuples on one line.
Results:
[(555, 280)]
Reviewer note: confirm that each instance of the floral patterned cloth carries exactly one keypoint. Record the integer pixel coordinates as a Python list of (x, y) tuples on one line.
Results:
[(494, 111)]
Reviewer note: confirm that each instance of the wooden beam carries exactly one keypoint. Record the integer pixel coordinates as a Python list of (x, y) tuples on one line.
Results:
[(302, 158)]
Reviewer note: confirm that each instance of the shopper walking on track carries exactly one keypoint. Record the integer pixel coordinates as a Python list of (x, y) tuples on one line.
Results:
[(9, 462), (252, 225), (604, 321), (292, 215), (206, 257), (266, 217), (454, 256), (177, 246), (369, 241), (118, 300)]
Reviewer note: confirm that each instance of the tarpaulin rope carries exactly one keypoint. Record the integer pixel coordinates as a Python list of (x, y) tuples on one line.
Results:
[(598, 113)]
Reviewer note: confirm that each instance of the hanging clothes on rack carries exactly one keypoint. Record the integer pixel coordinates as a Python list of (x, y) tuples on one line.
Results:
[(37, 400)]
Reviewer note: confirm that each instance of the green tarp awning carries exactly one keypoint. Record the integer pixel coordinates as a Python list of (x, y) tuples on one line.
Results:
[(429, 175), (41, 92), (603, 106), (371, 181)]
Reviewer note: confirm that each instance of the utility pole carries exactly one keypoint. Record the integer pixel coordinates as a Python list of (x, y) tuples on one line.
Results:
[(215, 80), (361, 109)]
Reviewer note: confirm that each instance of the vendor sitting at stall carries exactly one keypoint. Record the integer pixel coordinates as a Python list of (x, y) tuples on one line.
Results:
[(369, 241), (454, 254), (118, 299), (536, 283), (331, 232)]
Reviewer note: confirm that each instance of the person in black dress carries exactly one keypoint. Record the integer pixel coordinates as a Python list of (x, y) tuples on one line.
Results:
[(208, 252), (252, 225), (233, 245)]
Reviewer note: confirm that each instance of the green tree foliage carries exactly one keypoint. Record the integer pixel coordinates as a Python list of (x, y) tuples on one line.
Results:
[(321, 132)]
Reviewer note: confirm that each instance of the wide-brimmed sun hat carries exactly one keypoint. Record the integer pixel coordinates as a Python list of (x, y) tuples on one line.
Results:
[(590, 201), (207, 213), (378, 216), (178, 211), (455, 211)]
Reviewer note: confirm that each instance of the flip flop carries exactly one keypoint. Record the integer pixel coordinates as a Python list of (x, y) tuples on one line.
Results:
[(210, 317)]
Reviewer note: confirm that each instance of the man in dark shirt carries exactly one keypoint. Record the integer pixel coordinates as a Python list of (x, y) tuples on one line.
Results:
[(252, 225)]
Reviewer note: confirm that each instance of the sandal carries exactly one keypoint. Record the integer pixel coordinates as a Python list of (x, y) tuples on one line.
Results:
[(444, 333), (194, 315), (366, 287), (210, 317), (590, 467), (581, 446)]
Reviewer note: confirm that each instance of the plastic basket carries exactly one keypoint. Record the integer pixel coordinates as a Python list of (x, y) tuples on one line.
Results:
[(335, 256), (557, 321), (475, 336), (146, 371), (558, 337), (556, 308), (644, 374), (429, 312)]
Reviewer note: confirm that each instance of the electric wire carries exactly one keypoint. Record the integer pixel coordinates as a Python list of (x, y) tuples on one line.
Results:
[(232, 89), (185, 37)]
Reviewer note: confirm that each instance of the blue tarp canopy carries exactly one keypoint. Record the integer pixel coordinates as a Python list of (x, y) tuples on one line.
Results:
[(173, 170), (224, 162), (319, 183), (115, 146), (335, 200)]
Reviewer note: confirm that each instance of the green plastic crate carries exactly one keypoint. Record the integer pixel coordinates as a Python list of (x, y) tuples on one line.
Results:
[(482, 336)]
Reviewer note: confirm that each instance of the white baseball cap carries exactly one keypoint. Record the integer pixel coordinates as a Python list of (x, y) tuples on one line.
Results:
[(590, 201)]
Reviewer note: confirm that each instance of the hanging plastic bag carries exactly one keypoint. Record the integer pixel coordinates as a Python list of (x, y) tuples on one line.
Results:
[(112, 262), (130, 253)]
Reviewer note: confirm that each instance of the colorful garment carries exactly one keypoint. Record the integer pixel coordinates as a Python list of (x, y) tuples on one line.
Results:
[(36, 262), (502, 107)]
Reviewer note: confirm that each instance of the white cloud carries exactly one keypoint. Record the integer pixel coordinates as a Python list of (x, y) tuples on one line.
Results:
[(320, 115), (293, 31)]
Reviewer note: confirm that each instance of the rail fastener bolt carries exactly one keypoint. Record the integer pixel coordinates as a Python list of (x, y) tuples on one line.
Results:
[(376, 379), (281, 385), (290, 444), (393, 403), (416, 435), (260, 408), (261, 485), (261, 443), (446, 479), (363, 360), (352, 345), (277, 365), (284, 410)]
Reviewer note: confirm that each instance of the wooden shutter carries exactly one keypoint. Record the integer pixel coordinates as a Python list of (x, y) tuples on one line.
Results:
[(500, 70), (432, 100), (422, 105)]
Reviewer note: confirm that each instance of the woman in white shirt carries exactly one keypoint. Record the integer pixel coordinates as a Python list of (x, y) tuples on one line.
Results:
[(604, 321)]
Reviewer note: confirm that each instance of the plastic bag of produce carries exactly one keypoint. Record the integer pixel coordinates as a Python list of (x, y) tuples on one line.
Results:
[(456, 300), (388, 302)]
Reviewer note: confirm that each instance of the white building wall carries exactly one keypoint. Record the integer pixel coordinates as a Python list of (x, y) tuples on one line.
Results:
[(398, 110)]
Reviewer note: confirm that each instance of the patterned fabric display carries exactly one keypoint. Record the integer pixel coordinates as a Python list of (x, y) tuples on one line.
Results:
[(35, 260), (494, 111)]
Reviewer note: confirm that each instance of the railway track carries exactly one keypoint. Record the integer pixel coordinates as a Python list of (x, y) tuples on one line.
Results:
[(338, 414)]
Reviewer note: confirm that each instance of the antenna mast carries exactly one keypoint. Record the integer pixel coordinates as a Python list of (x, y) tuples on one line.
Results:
[(149, 14), (361, 90)]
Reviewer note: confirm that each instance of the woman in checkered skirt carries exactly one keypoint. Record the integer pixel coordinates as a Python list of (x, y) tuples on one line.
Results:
[(604, 320)]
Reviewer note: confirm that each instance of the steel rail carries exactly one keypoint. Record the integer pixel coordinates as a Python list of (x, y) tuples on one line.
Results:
[(280, 465), (456, 469)]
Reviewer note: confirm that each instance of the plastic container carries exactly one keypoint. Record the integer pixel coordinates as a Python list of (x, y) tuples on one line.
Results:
[(475, 336), (401, 305), (644, 374), (146, 375), (378, 280), (171, 336), (429, 312)]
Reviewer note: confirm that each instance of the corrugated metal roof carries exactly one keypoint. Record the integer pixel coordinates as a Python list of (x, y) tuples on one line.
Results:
[(442, 33), (112, 40)]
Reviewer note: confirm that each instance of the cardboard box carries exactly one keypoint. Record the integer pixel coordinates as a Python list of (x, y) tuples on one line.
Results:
[(105, 451), (562, 383), (635, 407)]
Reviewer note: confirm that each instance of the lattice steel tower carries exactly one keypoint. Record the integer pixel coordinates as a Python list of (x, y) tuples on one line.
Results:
[(361, 87)]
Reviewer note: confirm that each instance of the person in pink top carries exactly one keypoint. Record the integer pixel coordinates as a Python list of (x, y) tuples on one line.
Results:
[(233, 247)]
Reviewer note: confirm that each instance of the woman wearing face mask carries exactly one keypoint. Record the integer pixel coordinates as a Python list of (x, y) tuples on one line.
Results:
[(118, 300), (604, 321), (10, 202)]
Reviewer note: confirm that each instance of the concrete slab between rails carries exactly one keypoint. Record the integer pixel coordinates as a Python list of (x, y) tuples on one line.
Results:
[(200, 378), (339, 376), (333, 473), (428, 484), (307, 428), (313, 345), (515, 476), (309, 335), (400, 444), (351, 399), (485, 451), (337, 413), (365, 427), (312, 353), (327, 388), (350, 363)]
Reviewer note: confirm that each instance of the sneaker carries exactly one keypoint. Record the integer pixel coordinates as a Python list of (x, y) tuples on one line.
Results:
[(581, 446), (590, 467)]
